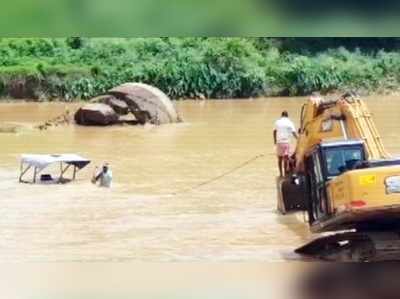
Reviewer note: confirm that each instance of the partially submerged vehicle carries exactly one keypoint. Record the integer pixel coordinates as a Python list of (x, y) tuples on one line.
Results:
[(38, 163), (346, 181)]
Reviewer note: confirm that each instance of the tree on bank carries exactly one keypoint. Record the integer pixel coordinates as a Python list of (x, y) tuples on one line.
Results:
[(80, 68)]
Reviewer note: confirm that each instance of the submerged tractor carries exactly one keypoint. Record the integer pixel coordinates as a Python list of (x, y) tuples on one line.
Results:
[(349, 186)]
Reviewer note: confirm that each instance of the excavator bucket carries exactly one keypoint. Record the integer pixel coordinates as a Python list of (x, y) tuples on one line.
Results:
[(291, 195)]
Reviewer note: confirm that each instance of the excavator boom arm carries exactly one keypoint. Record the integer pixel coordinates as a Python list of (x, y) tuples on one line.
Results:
[(360, 125), (345, 118)]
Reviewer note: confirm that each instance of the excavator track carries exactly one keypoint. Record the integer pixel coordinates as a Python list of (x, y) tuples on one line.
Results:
[(354, 247)]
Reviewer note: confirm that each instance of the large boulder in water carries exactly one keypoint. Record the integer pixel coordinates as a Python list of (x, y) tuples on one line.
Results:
[(119, 106), (147, 103), (96, 115)]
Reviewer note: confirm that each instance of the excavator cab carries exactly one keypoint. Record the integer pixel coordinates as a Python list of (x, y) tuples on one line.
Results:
[(308, 191), (325, 162)]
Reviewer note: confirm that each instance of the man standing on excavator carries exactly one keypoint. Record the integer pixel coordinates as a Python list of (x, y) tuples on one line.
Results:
[(284, 130)]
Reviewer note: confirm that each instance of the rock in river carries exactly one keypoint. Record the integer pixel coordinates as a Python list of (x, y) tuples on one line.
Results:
[(119, 106), (147, 103), (96, 115)]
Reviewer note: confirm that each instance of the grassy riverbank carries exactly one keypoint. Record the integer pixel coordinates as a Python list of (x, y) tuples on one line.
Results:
[(77, 68)]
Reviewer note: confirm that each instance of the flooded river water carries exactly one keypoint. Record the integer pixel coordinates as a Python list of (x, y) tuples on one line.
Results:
[(151, 213)]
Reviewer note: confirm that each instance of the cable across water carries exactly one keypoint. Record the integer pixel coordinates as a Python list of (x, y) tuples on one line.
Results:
[(209, 181)]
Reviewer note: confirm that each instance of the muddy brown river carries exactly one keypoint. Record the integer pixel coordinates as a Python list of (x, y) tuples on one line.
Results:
[(152, 213)]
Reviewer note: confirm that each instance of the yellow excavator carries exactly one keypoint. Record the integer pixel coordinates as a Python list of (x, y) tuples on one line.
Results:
[(342, 176)]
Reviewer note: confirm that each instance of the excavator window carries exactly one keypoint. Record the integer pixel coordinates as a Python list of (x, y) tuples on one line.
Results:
[(342, 159), (325, 163)]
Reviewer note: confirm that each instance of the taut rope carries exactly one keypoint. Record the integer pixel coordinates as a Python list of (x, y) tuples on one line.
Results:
[(242, 165)]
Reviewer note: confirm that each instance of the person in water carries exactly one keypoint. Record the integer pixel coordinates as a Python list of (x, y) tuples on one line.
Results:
[(284, 130), (104, 176)]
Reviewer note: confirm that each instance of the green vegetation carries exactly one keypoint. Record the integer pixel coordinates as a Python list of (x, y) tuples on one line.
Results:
[(80, 68)]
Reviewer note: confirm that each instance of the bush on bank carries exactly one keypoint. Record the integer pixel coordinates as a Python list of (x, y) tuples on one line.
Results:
[(77, 68)]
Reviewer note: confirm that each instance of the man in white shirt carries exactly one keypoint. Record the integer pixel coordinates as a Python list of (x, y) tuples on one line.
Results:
[(284, 130), (105, 177)]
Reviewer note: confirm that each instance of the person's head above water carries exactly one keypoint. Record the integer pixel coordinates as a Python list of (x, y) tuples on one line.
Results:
[(285, 114)]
